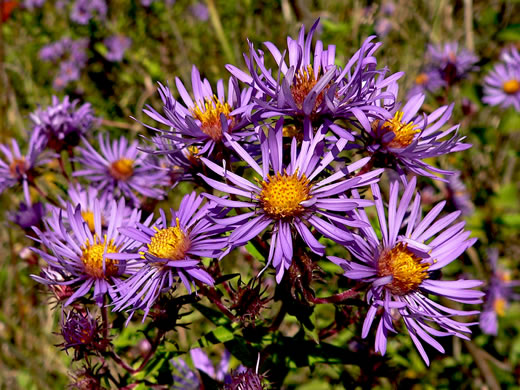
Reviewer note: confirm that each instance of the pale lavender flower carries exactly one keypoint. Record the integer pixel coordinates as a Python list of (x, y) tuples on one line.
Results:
[(289, 197), (185, 378), (116, 45), (510, 56), (458, 195), (400, 268), (28, 215), (200, 11), (453, 62), (202, 362), (429, 80), (84, 10), (502, 86), (32, 4)]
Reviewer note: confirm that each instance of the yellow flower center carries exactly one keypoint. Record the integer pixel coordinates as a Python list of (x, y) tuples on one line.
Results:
[(18, 167), (421, 79), (209, 116), (511, 86), (407, 269), (88, 217), (281, 195), (404, 132), (192, 155), (171, 243), (303, 83), (499, 305), (122, 169), (92, 258)]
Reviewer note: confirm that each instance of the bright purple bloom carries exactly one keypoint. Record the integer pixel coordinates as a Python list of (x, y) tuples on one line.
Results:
[(409, 138), (290, 197), (499, 294), (454, 63), (80, 254), (166, 252), (84, 10), (16, 168), (202, 362), (401, 267), (502, 86), (62, 124), (116, 45), (28, 215), (202, 122), (120, 168)]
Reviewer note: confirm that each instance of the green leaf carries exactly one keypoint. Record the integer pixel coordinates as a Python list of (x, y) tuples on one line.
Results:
[(510, 33), (253, 251), (215, 316), (216, 336)]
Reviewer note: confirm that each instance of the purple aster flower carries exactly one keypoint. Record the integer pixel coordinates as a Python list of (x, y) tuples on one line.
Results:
[(81, 255), (81, 331), (510, 56), (453, 63), (401, 268), (62, 124), (429, 80), (502, 86), (167, 252), (120, 168), (185, 378), (408, 138), (16, 168), (499, 293), (203, 121), (84, 10), (202, 362), (78, 51), (116, 45), (54, 50), (28, 215), (458, 195), (383, 26), (291, 198), (32, 4), (200, 11)]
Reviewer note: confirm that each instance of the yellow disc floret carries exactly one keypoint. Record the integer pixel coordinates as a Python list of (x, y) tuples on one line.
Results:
[(499, 305), (92, 258), (407, 270), (511, 86), (404, 132), (122, 169), (209, 113), (303, 83), (281, 195), (421, 79), (171, 243), (88, 217), (18, 167)]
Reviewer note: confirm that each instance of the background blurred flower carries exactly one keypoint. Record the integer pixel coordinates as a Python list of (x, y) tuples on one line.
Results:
[(116, 45)]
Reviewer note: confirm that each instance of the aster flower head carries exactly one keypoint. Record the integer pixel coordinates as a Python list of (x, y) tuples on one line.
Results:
[(62, 124), (453, 62), (500, 292), (429, 80), (184, 378), (16, 168), (201, 122), (84, 10), (28, 215), (401, 267), (81, 255), (406, 139), (167, 252), (81, 331), (510, 56), (289, 197), (502, 86), (120, 168), (202, 362), (117, 45)]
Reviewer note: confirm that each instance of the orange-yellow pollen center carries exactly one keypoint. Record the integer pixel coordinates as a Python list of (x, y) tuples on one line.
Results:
[(171, 243), (511, 86), (404, 132), (421, 79), (88, 217), (281, 195), (18, 167), (499, 305), (209, 114), (407, 270), (122, 169), (92, 258), (303, 83)]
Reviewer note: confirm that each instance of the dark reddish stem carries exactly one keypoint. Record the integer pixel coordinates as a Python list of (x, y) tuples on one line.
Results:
[(337, 298)]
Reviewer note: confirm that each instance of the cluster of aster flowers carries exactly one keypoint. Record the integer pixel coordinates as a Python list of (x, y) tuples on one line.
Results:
[(287, 156), (502, 84)]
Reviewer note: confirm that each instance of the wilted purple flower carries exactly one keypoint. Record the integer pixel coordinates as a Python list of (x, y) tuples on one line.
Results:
[(289, 196), (407, 139), (203, 121), (116, 45), (453, 62), (458, 195), (80, 254), (499, 293), (28, 215), (120, 167), (429, 80), (81, 331), (200, 11), (502, 86), (166, 252), (84, 10), (62, 124), (245, 379), (401, 267), (16, 168)]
